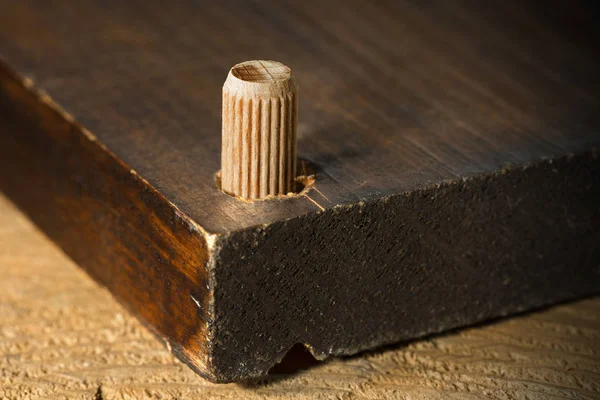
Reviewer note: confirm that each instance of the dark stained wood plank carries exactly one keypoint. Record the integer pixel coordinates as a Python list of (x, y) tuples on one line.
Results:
[(453, 144)]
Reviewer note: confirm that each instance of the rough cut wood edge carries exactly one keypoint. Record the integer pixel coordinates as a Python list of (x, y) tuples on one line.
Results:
[(64, 337), (258, 157), (409, 265), (125, 234)]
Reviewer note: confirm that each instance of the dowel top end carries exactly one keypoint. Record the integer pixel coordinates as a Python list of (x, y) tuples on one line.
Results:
[(260, 78)]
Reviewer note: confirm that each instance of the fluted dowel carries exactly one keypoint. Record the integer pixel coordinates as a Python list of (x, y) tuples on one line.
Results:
[(260, 103)]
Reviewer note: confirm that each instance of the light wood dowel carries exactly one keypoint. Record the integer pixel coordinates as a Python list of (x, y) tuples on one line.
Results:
[(260, 103)]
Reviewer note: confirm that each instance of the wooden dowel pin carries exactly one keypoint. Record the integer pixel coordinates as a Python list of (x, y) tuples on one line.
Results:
[(260, 103)]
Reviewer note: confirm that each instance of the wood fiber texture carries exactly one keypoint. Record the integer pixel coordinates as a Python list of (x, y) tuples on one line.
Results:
[(454, 146), (63, 337)]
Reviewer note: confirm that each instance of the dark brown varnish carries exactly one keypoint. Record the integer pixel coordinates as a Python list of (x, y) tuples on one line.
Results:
[(127, 235), (454, 146)]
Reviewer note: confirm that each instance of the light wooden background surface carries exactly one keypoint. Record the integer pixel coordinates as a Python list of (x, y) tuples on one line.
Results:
[(64, 337)]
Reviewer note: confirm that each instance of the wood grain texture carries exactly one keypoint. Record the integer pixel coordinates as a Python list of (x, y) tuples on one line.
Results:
[(64, 337), (397, 94), (126, 234), (454, 144)]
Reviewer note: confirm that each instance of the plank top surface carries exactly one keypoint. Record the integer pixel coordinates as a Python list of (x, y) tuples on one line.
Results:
[(64, 337), (393, 95)]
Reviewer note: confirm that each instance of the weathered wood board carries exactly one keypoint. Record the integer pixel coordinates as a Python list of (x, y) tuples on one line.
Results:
[(63, 337), (454, 146)]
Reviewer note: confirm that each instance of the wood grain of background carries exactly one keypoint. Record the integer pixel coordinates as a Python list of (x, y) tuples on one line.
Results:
[(64, 337)]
